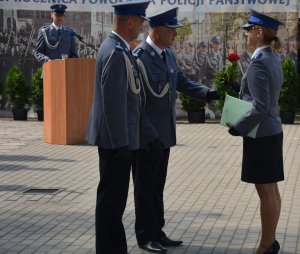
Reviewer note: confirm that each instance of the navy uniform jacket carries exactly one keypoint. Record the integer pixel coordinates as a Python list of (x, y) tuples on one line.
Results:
[(261, 86), (161, 111), (115, 115), (43, 52)]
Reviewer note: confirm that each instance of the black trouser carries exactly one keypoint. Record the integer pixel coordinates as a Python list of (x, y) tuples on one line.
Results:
[(149, 176), (111, 202)]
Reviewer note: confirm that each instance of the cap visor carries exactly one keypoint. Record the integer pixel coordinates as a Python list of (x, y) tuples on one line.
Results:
[(247, 26), (144, 18), (178, 25)]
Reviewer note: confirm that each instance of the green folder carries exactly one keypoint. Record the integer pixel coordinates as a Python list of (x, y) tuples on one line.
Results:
[(233, 109)]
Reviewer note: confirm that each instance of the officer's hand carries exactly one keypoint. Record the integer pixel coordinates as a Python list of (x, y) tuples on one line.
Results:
[(232, 130), (155, 149), (235, 85), (122, 153), (212, 95)]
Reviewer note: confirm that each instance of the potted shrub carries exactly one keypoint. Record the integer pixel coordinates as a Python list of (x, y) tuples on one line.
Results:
[(37, 94), (18, 93), (194, 108), (288, 98)]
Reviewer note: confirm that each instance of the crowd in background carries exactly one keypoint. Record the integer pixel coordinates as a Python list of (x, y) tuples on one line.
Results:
[(199, 61)]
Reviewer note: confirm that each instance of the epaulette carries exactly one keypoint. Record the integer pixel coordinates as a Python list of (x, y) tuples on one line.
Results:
[(258, 56), (43, 28), (138, 52), (118, 47)]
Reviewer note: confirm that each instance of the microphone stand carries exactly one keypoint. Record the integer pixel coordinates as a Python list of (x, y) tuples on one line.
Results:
[(88, 44)]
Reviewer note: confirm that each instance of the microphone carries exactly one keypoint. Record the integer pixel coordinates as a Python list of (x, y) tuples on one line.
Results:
[(72, 33)]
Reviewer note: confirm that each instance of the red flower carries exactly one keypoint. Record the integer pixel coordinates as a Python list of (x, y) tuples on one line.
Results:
[(233, 57)]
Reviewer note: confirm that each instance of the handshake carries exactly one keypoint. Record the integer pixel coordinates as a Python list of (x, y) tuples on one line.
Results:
[(211, 95)]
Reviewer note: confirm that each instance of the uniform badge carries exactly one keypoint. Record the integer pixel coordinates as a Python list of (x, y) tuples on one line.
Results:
[(152, 53)]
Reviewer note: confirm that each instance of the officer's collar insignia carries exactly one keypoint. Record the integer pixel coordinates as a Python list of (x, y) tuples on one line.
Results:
[(152, 53), (137, 52)]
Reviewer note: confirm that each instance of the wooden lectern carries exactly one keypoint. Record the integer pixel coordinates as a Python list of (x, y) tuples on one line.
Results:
[(68, 95)]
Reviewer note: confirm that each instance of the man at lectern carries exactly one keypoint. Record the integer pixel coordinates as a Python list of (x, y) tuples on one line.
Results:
[(55, 41)]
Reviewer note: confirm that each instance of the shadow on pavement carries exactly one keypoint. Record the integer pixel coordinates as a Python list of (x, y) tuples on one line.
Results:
[(30, 158)]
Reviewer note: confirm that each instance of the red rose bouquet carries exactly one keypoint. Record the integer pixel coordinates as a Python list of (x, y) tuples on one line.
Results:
[(233, 57), (224, 79)]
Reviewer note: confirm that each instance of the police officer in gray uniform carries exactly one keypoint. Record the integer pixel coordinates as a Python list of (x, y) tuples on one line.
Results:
[(244, 61), (55, 41), (213, 61), (162, 78), (114, 124), (189, 56), (200, 56)]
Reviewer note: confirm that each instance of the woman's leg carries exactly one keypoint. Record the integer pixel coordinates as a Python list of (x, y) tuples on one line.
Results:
[(279, 203), (270, 205)]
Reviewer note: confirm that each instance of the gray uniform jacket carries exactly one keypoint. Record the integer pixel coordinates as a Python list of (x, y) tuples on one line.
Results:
[(213, 63), (261, 86), (115, 115), (56, 45), (161, 111)]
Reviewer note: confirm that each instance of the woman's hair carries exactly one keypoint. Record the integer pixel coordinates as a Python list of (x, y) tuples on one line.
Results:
[(270, 38)]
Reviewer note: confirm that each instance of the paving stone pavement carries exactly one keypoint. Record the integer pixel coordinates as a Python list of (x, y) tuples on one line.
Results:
[(206, 204)]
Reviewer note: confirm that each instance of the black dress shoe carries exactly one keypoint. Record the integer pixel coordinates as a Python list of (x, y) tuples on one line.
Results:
[(154, 247), (165, 241), (273, 249)]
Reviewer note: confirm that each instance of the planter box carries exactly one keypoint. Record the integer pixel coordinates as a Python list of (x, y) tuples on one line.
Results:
[(20, 114), (287, 117), (196, 117)]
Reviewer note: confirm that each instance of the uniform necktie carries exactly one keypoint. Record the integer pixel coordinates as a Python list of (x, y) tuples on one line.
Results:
[(163, 54), (58, 31)]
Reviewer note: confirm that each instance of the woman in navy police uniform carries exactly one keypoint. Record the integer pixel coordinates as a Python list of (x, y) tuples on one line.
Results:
[(262, 156)]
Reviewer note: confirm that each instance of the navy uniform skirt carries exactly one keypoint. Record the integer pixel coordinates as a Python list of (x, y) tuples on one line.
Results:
[(263, 159)]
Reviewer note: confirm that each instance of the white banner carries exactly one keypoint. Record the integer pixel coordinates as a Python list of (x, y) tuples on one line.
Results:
[(157, 5)]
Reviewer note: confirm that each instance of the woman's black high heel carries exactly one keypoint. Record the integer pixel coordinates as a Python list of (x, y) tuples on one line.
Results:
[(273, 249)]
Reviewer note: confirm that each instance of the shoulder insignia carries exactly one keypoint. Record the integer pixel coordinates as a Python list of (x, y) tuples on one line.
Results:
[(118, 47), (258, 56), (43, 28), (138, 52)]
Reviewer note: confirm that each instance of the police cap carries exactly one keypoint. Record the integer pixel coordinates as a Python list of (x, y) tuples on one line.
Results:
[(229, 46), (134, 7), (166, 18), (258, 18), (58, 8), (202, 44), (216, 39)]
